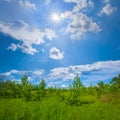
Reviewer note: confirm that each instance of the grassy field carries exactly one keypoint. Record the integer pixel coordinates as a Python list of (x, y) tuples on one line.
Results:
[(28, 102), (53, 109)]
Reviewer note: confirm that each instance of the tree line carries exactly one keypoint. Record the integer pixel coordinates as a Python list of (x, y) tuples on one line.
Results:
[(24, 89)]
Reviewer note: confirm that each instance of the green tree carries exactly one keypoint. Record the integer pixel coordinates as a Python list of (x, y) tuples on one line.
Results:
[(100, 88), (41, 89), (115, 83), (2, 84), (13, 88), (101, 85), (26, 88), (91, 90), (77, 86), (76, 89)]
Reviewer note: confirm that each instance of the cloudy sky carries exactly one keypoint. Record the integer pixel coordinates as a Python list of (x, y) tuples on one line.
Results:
[(57, 39)]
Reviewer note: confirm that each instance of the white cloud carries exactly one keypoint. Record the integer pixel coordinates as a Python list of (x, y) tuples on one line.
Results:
[(17, 74), (81, 4), (24, 3), (56, 54), (62, 76), (60, 73), (21, 31), (91, 72), (38, 72), (10, 73), (107, 10), (63, 86), (66, 14), (27, 4), (81, 24), (12, 47), (26, 48)]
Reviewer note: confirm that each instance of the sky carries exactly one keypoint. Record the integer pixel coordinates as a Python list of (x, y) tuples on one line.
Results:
[(57, 39)]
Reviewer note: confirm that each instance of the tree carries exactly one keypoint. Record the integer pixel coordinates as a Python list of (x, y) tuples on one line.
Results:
[(77, 86), (42, 84), (41, 89), (115, 83), (2, 84), (101, 85), (26, 88), (100, 88), (76, 90)]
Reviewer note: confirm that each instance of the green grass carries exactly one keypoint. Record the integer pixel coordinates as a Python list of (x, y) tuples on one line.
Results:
[(53, 109)]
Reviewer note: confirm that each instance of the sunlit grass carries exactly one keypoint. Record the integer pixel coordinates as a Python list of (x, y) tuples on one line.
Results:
[(53, 109)]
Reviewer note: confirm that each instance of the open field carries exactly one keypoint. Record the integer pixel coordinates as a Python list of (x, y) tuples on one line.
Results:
[(25, 101), (53, 109)]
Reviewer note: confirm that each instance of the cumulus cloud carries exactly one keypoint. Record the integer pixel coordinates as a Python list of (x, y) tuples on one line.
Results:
[(107, 10), (27, 4), (17, 74), (21, 31), (12, 72), (38, 72), (81, 24), (24, 3), (34, 76), (81, 4), (12, 47), (60, 73), (91, 72), (26, 48), (66, 14), (56, 54), (62, 76)]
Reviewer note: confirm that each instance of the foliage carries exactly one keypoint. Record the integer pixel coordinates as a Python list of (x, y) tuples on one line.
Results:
[(25, 101), (77, 86), (115, 83), (73, 95), (25, 88), (41, 89), (76, 90)]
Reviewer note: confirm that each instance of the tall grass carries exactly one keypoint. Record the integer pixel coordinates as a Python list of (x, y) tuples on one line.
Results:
[(53, 109)]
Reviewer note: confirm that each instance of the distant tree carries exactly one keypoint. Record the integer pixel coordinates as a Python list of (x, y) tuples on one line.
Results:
[(100, 88), (26, 87), (76, 89), (115, 83), (41, 89), (1, 85), (77, 86), (91, 90), (9, 88), (101, 85), (12, 88), (42, 84)]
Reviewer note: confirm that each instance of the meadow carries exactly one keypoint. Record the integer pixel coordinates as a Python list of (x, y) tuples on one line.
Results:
[(25, 102), (52, 109)]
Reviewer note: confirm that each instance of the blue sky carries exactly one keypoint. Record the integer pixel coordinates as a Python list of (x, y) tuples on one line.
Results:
[(57, 39)]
